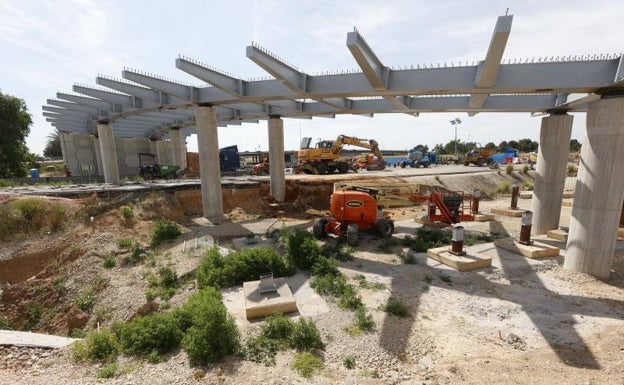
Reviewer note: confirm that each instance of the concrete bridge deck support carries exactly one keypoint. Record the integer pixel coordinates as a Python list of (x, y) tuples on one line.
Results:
[(552, 156), (276, 158), (178, 149), (208, 146), (98, 156), (109, 153), (599, 190)]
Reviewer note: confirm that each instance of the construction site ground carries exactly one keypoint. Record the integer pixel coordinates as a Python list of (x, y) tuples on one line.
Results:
[(520, 321)]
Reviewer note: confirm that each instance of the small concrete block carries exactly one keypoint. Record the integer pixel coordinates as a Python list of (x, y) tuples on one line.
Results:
[(560, 235), (620, 232), (568, 194), (459, 262), (535, 250), (567, 203), (483, 217), (526, 194), (507, 212), (263, 304), (250, 242)]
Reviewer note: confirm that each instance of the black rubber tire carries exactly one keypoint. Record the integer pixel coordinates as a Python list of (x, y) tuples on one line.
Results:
[(480, 162), (425, 165), (318, 229), (466, 163), (352, 235), (385, 228), (321, 167), (148, 175), (331, 170), (343, 167), (403, 164)]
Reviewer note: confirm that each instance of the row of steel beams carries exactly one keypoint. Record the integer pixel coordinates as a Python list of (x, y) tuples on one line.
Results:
[(144, 104)]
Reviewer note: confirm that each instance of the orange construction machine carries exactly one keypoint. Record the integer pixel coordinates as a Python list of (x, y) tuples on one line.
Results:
[(325, 157), (358, 208)]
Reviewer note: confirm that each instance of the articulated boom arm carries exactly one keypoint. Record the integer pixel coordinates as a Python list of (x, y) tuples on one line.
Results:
[(343, 140)]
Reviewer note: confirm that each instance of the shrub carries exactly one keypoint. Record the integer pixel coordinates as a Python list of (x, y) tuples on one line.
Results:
[(97, 347), (387, 244), (525, 169), (349, 362), (329, 285), (164, 230), (137, 253), (509, 169), (364, 321), (126, 212), (306, 364), (395, 306), (85, 300), (302, 248), (108, 371), (218, 271), (305, 336), (278, 328), (503, 188), (124, 243), (211, 332), (349, 298), (77, 333), (339, 250), (168, 277), (426, 239), (260, 350), (109, 261), (143, 335)]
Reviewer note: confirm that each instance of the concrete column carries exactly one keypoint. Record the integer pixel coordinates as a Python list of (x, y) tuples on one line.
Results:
[(109, 155), (208, 147), (552, 160), (98, 157), (276, 158), (599, 191), (178, 148)]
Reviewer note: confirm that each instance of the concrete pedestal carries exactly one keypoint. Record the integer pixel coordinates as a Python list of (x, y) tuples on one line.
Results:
[(599, 190), (559, 234), (551, 172), (208, 147), (507, 212), (178, 149), (534, 250), (468, 261), (263, 304)]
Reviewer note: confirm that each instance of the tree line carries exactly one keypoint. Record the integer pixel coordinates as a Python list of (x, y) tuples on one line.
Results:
[(523, 145)]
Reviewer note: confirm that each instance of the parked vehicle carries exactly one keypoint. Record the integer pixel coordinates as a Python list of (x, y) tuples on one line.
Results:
[(479, 157), (325, 156), (229, 159), (417, 158), (149, 169)]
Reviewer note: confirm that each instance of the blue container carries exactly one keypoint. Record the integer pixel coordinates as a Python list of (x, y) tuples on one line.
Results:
[(34, 173)]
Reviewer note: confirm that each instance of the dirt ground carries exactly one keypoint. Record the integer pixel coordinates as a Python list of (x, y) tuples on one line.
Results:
[(520, 321)]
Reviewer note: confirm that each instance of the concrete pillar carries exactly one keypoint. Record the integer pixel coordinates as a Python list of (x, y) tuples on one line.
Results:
[(552, 161), (276, 158), (109, 155), (178, 148), (98, 157), (599, 190), (208, 147)]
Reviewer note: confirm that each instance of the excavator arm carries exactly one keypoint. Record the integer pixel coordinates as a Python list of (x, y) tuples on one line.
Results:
[(343, 140)]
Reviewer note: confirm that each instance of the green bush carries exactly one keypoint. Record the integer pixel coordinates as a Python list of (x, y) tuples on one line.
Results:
[(168, 277), (329, 285), (124, 243), (137, 253), (77, 333), (326, 266), (339, 250), (96, 347), (164, 230), (395, 306), (349, 362), (220, 271), (302, 248), (108, 371), (426, 239), (109, 261), (362, 320), (211, 332), (525, 169), (155, 333), (260, 350), (305, 336), (349, 298), (85, 300), (278, 328), (126, 212), (306, 364), (509, 169), (387, 244)]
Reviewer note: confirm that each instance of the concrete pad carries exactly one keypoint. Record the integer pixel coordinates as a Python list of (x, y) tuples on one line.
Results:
[(535, 250), (260, 305), (507, 212), (567, 203), (483, 217), (559, 234), (526, 194), (34, 340), (250, 242), (468, 261)]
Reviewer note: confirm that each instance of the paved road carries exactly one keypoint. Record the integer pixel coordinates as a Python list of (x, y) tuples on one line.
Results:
[(35, 340)]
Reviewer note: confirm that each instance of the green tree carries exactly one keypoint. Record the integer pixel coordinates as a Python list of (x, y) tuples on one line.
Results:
[(422, 148), (575, 145), (15, 124), (527, 145), (490, 146), (502, 145), (53, 145)]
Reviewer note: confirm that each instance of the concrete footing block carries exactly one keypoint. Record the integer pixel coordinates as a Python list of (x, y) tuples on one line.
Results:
[(568, 194), (263, 304), (468, 261), (526, 195), (483, 217), (428, 222), (507, 212), (535, 250), (620, 233), (559, 234), (250, 242), (567, 202)]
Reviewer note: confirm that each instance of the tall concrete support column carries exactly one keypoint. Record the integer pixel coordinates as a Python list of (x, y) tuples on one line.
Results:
[(109, 154), (599, 190), (276, 158), (178, 149), (98, 156), (552, 156), (208, 147)]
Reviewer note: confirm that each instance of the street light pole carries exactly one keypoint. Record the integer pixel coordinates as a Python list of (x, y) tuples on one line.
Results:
[(455, 122)]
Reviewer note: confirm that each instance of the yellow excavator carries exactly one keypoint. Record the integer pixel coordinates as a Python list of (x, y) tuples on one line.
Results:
[(325, 157)]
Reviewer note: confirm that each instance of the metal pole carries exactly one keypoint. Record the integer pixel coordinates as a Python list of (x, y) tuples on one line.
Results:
[(525, 229), (476, 194), (457, 243), (515, 191)]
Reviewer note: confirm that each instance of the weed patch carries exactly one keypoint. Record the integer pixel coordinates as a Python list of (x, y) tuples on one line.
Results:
[(395, 306), (306, 364), (164, 230)]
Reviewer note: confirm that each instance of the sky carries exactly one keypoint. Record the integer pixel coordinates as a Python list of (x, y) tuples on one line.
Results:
[(47, 46)]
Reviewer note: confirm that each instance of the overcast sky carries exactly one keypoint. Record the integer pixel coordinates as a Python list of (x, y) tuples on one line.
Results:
[(48, 46)]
